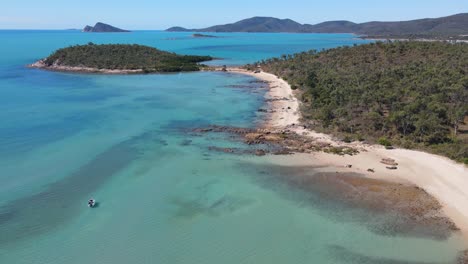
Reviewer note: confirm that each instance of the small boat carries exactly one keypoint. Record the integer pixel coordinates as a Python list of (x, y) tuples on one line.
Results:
[(91, 203)]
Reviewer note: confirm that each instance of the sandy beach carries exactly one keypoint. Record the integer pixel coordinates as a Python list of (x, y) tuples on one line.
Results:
[(283, 105), (441, 177)]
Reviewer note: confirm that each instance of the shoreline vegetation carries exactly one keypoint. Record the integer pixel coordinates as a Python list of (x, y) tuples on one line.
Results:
[(118, 59), (408, 94), (417, 173)]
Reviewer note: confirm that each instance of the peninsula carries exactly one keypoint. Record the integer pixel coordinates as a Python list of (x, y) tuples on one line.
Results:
[(118, 59), (377, 93), (103, 28)]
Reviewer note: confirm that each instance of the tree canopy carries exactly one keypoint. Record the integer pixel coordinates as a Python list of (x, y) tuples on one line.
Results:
[(414, 94), (124, 57)]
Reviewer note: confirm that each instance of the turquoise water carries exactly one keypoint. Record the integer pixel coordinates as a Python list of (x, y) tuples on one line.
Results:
[(164, 197)]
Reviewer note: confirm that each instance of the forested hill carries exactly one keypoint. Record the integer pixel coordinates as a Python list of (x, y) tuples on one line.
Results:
[(254, 24), (411, 94), (455, 26), (120, 57)]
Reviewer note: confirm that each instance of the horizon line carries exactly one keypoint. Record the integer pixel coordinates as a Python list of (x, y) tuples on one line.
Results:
[(386, 21)]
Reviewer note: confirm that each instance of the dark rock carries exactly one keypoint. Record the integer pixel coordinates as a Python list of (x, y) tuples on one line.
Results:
[(260, 152), (197, 35), (219, 149), (406, 209), (463, 257), (282, 152), (279, 142), (87, 29), (186, 142)]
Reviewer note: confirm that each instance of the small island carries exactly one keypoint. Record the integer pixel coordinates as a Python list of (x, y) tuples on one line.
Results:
[(103, 28), (198, 35), (118, 59)]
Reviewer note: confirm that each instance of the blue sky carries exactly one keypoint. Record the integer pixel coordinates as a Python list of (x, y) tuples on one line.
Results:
[(160, 14)]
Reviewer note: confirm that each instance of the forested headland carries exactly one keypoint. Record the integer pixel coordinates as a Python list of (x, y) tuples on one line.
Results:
[(408, 94)]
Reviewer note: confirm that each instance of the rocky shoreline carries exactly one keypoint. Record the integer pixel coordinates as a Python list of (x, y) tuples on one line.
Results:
[(275, 141), (417, 175), (410, 209), (397, 209), (463, 257), (40, 64)]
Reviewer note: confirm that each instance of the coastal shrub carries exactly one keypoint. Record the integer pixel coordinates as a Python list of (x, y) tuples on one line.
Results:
[(384, 142), (360, 137), (405, 143), (457, 150), (341, 151), (334, 150)]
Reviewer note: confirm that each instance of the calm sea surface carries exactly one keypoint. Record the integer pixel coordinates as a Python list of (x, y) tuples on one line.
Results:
[(164, 197)]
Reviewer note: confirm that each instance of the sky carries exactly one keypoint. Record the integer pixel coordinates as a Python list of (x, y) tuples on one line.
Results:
[(161, 14)]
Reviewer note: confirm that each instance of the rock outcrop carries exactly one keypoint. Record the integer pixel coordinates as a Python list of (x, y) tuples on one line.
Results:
[(104, 28)]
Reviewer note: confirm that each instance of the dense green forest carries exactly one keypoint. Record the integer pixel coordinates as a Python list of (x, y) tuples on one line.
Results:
[(410, 94), (124, 57)]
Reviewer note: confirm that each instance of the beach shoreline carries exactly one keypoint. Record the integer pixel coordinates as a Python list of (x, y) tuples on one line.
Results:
[(442, 178)]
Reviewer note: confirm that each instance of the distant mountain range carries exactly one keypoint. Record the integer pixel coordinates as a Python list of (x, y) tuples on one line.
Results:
[(445, 26), (101, 27)]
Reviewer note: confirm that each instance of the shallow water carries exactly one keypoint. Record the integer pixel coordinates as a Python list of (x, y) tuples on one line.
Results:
[(164, 197)]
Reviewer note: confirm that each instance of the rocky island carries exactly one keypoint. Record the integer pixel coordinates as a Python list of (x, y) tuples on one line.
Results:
[(197, 35), (103, 28), (118, 59)]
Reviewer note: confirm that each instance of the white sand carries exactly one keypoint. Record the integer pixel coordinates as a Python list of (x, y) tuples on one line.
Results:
[(444, 179), (286, 106)]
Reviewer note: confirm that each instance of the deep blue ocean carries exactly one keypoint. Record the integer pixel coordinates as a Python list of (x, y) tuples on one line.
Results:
[(164, 196)]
